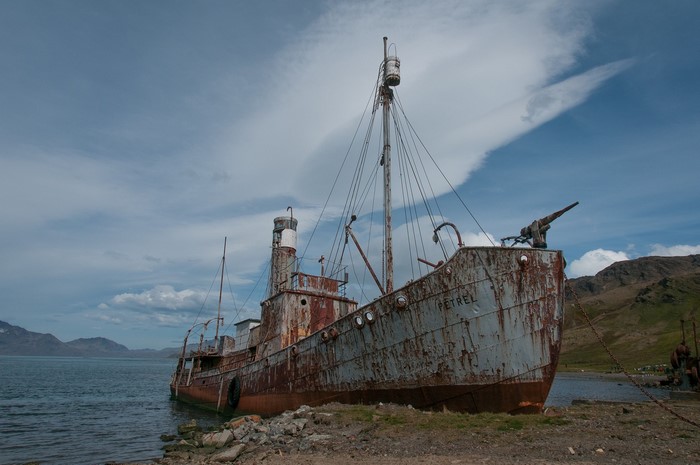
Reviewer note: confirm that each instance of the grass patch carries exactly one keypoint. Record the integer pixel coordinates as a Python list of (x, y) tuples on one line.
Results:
[(555, 421), (512, 424), (361, 413), (390, 417)]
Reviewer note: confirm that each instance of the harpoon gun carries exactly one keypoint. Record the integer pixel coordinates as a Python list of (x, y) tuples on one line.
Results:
[(536, 233)]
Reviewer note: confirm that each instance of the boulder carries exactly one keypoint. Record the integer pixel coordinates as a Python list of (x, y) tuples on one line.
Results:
[(189, 427), (218, 439), (242, 431), (228, 455)]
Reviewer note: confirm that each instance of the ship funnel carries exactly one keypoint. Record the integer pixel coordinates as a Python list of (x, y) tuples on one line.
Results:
[(284, 248)]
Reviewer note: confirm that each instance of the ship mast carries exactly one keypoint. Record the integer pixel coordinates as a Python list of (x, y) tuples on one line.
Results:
[(221, 289), (390, 77)]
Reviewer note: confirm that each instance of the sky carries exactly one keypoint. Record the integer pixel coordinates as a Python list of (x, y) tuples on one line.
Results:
[(136, 135)]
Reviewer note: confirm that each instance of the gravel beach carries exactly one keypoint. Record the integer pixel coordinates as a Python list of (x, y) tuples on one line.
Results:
[(584, 433)]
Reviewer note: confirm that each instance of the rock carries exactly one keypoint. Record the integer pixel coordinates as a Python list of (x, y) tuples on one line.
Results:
[(261, 429), (301, 411), (289, 429), (572, 451), (235, 423), (242, 431), (218, 439), (228, 455), (167, 437), (599, 451), (322, 418), (188, 427), (258, 438), (300, 423)]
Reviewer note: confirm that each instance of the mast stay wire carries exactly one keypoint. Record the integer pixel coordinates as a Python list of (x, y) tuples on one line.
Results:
[(358, 195), (454, 191), (410, 159), (206, 297)]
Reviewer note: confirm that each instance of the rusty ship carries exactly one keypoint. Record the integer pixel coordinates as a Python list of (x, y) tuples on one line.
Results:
[(478, 330)]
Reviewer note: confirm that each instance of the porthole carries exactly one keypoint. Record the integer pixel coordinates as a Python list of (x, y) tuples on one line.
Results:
[(358, 321), (401, 301), (369, 316), (303, 301), (294, 351), (325, 337)]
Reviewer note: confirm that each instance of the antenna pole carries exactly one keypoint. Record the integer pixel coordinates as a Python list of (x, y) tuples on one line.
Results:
[(221, 290)]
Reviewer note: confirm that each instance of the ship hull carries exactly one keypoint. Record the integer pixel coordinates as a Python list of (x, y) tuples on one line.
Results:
[(482, 332)]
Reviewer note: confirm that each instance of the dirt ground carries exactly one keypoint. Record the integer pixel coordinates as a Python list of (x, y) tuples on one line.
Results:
[(588, 433)]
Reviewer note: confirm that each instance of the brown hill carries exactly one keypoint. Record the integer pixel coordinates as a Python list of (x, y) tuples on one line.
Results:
[(637, 306)]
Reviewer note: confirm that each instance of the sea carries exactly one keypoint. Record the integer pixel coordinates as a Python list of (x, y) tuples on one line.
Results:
[(89, 411)]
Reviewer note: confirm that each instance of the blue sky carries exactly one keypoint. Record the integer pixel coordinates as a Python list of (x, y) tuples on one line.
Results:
[(135, 135)]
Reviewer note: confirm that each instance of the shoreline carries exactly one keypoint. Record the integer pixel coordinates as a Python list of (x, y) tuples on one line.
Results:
[(585, 433)]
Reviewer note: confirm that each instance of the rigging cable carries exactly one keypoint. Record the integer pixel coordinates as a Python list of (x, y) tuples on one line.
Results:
[(206, 296), (447, 180)]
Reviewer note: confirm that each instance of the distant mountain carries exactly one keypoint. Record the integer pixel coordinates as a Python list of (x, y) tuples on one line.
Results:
[(637, 306), (97, 344), (18, 341), (15, 340)]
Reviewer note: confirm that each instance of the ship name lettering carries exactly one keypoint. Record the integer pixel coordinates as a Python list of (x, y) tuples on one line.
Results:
[(464, 299)]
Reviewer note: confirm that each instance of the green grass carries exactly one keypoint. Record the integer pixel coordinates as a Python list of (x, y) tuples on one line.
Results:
[(637, 335), (392, 418), (511, 424), (640, 324)]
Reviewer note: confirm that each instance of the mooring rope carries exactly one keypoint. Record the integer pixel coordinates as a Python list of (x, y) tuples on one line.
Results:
[(624, 370)]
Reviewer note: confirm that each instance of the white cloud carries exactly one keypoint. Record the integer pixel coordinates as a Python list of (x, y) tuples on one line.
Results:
[(674, 250), (593, 261), (596, 260), (161, 297)]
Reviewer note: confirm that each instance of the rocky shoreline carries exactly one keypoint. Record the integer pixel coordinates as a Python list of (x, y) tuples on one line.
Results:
[(584, 433)]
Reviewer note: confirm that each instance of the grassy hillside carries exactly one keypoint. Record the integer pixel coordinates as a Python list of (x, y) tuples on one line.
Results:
[(639, 320)]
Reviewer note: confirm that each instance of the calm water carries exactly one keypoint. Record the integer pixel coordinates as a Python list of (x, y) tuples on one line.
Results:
[(590, 386), (86, 411)]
